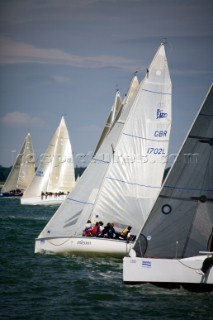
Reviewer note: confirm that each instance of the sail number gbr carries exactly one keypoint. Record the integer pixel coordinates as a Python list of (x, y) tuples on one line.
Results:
[(156, 151)]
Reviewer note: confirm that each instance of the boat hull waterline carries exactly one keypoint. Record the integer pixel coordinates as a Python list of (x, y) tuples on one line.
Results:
[(84, 246), (167, 272)]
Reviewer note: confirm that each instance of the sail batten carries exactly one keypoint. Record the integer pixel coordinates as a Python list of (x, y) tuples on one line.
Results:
[(79, 201), (157, 92), (133, 183)]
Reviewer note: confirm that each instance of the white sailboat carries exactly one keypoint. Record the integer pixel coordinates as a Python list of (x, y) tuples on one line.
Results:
[(172, 245), (54, 177), (124, 177), (22, 171)]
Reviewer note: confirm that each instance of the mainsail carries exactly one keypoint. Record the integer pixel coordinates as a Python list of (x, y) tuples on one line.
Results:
[(55, 173), (110, 120), (124, 177), (23, 169), (182, 218)]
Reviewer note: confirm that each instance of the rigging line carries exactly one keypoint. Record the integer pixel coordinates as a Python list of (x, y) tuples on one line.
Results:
[(139, 137), (186, 265)]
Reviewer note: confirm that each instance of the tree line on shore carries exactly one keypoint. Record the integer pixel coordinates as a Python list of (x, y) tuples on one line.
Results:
[(4, 172)]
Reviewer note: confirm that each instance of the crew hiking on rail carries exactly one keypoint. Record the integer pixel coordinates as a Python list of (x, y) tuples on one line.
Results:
[(107, 231)]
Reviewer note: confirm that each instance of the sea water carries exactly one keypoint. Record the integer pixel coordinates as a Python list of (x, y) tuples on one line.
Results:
[(52, 287)]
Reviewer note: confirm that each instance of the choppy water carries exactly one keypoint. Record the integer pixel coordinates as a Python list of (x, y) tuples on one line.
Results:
[(55, 287)]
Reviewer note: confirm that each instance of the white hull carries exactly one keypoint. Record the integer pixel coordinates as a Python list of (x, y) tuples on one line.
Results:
[(50, 200), (84, 246), (167, 272)]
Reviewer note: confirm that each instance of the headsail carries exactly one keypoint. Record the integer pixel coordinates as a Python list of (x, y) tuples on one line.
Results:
[(182, 217), (23, 170), (128, 168)]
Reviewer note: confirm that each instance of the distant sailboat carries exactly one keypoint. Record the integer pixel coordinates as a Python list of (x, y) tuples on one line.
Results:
[(54, 178), (167, 250), (22, 171), (124, 177)]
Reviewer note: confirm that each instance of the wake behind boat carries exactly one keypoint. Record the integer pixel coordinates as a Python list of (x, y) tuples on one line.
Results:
[(22, 171), (54, 177), (124, 177), (169, 248)]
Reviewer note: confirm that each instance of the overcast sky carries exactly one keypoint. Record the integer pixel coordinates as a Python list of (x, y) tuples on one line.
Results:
[(68, 57)]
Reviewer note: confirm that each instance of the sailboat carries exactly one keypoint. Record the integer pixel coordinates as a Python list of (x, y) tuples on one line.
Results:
[(172, 245), (124, 177), (22, 171), (54, 177)]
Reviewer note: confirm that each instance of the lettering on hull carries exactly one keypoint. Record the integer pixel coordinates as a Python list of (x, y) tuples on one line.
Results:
[(83, 242)]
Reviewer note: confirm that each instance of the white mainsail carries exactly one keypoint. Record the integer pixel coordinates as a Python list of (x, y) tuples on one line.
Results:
[(124, 177), (111, 119), (23, 169), (181, 221), (54, 177)]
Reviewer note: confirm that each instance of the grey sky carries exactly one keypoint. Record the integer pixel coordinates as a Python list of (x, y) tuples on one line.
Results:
[(68, 57)]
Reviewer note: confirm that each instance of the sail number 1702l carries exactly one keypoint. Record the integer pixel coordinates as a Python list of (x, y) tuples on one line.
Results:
[(155, 151)]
